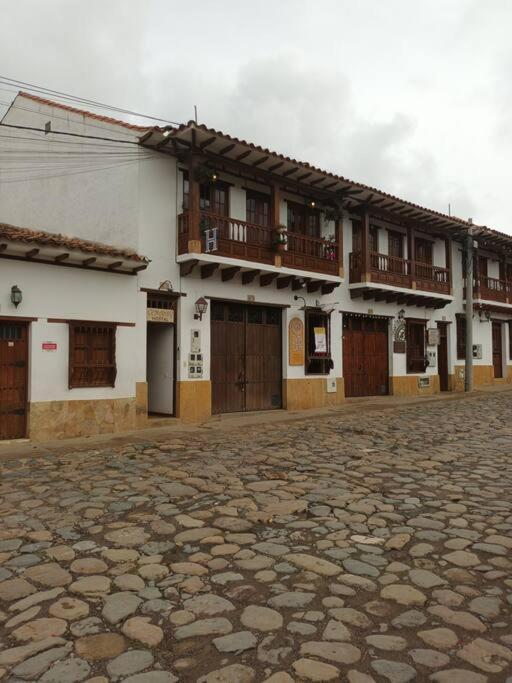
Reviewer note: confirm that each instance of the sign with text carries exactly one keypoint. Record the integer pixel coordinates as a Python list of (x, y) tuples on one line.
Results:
[(296, 342), (160, 315), (49, 346)]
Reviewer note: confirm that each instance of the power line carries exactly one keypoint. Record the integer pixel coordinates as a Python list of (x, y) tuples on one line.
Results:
[(91, 103), (76, 135), (61, 175)]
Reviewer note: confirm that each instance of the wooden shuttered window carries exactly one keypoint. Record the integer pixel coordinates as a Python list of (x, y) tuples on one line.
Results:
[(461, 337), (92, 355), (416, 353)]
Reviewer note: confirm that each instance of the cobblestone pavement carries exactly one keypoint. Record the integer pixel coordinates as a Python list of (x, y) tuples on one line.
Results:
[(371, 547)]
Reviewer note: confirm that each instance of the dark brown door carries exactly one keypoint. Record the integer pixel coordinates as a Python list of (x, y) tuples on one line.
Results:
[(365, 356), (497, 356), (442, 360), (13, 380), (416, 354), (246, 357)]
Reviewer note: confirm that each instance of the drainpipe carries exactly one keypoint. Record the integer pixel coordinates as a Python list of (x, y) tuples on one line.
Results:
[(468, 254)]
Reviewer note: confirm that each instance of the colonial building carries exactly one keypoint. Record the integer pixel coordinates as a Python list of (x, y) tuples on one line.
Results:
[(236, 279)]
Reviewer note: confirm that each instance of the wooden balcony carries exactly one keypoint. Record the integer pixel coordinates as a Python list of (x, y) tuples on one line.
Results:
[(492, 289), (246, 241), (382, 269)]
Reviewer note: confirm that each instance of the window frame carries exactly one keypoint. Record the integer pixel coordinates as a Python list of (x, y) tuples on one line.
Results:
[(317, 363), (305, 215), (206, 195), (91, 328), (413, 364), (460, 324), (261, 199)]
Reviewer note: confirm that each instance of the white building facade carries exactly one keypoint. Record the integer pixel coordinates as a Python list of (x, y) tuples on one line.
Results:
[(235, 279)]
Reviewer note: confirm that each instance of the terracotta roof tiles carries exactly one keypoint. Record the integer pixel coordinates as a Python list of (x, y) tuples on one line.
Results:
[(12, 233)]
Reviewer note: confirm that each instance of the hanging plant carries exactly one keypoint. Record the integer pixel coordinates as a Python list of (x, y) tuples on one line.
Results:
[(280, 238)]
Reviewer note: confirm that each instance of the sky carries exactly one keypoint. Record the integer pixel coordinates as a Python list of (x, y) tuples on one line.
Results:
[(411, 97)]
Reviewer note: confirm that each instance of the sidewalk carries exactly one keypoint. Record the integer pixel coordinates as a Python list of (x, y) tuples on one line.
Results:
[(233, 421)]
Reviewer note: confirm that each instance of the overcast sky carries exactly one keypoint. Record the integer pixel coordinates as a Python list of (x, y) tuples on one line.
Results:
[(413, 97)]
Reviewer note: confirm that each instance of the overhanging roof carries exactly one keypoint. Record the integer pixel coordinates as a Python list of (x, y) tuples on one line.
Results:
[(223, 147), (40, 246)]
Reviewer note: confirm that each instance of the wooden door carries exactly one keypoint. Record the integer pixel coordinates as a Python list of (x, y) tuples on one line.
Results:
[(442, 356), (13, 380), (262, 358), (365, 356), (245, 357), (497, 355)]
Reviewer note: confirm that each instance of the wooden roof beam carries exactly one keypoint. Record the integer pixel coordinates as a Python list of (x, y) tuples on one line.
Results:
[(227, 274), (30, 254), (89, 261), (260, 161), (208, 270), (283, 282), (226, 149), (267, 278), (249, 276), (207, 142), (114, 265), (243, 155), (290, 171), (61, 257), (186, 267)]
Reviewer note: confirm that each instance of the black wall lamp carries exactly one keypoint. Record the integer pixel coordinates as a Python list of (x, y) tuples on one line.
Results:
[(201, 308), (16, 295)]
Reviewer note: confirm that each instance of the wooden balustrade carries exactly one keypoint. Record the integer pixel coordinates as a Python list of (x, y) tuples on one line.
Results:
[(392, 270), (493, 289), (243, 240)]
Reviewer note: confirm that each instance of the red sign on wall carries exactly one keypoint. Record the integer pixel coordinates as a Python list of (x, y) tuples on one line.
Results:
[(49, 346)]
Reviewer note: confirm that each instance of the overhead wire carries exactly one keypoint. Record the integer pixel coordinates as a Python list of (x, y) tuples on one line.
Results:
[(5, 80)]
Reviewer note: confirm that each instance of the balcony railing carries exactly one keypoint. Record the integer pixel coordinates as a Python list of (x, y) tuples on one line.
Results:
[(493, 289), (399, 272), (247, 241)]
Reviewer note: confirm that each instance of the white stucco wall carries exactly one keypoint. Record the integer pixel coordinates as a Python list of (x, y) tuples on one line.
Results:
[(70, 293)]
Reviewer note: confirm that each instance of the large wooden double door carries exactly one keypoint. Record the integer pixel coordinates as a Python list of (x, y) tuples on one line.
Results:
[(13, 379), (365, 355), (245, 357)]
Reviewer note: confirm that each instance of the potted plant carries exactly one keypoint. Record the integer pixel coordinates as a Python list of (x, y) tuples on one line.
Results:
[(330, 248), (280, 239)]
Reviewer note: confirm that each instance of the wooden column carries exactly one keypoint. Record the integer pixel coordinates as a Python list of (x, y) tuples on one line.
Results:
[(475, 275), (365, 247), (410, 256), (275, 215), (194, 233), (448, 260), (338, 231)]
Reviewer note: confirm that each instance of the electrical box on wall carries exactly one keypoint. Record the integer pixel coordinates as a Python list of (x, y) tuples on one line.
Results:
[(423, 382), (477, 351), (331, 385)]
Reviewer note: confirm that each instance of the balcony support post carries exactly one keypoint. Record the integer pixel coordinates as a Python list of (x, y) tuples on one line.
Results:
[(411, 255), (275, 215), (194, 233), (338, 231), (448, 262), (365, 247)]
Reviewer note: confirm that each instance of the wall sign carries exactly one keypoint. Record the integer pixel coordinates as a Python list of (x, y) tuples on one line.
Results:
[(433, 336), (49, 346), (320, 339), (296, 342), (160, 315)]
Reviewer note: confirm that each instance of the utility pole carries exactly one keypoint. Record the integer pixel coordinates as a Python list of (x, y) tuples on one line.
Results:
[(468, 254)]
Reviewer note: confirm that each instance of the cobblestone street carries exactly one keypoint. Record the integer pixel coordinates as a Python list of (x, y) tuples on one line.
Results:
[(362, 547)]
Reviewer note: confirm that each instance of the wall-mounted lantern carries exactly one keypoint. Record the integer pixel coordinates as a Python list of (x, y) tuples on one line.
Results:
[(401, 314), (201, 308), (16, 295)]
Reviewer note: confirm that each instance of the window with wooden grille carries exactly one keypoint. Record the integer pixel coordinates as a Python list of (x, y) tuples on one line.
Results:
[(461, 337), (416, 353), (318, 343), (92, 355), (257, 208)]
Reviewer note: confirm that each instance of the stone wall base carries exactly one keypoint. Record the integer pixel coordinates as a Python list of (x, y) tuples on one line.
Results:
[(301, 394), (193, 400), (67, 419), (141, 404), (407, 385)]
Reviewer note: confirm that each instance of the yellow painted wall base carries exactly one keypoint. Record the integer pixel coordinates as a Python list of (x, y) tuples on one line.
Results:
[(193, 400), (141, 404), (301, 394), (68, 419), (483, 375), (407, 385)]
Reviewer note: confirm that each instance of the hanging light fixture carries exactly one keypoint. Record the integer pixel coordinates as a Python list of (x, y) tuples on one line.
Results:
[(201, 308), (16, 295)]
